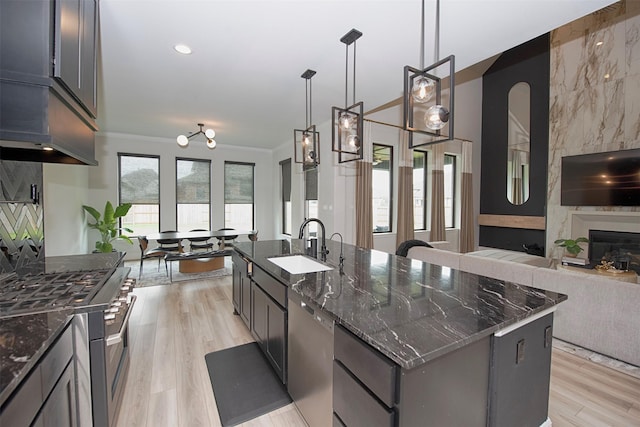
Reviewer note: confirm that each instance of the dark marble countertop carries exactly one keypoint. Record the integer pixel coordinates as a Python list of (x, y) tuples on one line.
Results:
[(23, 341), (25, 337), (409, 310)]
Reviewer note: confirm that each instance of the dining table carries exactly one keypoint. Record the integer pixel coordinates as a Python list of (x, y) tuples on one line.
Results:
[(207, 262), (186, 235)]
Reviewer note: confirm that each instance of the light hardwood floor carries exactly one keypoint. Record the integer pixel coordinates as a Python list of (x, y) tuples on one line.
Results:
[(172, 327)]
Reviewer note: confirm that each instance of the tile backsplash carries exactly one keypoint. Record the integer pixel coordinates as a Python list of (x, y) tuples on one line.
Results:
[(21, 220)]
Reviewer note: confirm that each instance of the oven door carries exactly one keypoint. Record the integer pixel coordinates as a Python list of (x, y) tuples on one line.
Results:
[(109, 367)]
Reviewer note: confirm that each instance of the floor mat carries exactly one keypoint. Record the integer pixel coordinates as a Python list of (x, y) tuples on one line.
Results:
[(244, 384)]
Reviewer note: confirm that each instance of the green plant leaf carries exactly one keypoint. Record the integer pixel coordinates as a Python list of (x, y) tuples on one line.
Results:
[(122, 210), (92, 211)]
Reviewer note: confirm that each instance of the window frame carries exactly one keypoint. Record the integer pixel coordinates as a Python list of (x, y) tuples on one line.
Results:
[(454, 178), (282, 198), (119, 169), (425, 181), (253, 190), (391, 183), (188, 159)]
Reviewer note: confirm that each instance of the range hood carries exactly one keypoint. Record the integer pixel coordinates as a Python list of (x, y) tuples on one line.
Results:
[(42, 123)]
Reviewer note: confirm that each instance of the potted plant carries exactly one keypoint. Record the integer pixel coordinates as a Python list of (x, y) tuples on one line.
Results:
[(571, 246), (107, 224)]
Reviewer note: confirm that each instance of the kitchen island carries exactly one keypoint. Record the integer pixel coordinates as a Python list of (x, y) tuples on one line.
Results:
[(442, 338)]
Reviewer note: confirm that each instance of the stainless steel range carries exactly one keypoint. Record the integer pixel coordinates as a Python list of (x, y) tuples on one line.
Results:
[(103, 302)]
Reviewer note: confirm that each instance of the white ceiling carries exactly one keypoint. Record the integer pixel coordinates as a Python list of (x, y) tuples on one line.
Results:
[(243, 77)]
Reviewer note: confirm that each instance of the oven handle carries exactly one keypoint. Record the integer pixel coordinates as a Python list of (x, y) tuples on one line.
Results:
[(116, 338)]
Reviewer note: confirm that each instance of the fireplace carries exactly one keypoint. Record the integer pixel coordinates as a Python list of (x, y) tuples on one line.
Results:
[(616, 246)]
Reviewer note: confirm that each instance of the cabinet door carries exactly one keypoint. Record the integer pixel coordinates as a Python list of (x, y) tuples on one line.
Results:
[(245, 301), (259, 315), (236, 285), (75, 50), (60, 408), (88, 78), (67, 44), (276, 346)]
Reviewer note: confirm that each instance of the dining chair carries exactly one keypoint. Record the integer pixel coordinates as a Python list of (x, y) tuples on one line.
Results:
[(222, 241), (146, 253), (170, 245), (200, 242)]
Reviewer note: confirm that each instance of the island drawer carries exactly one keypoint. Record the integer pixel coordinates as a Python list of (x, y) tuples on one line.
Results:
[(355, 405), (373, 369), (271, 286)]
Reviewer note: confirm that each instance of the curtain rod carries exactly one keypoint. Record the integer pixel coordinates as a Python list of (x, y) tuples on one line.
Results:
[(401, 128)]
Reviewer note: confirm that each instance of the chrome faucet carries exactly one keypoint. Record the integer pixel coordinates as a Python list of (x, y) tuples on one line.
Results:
[(341, 259), (323, 245)]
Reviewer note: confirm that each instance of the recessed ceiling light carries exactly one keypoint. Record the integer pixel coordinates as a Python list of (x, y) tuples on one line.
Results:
[(47, 148), (600, 43), (606, 76), (182, 48)]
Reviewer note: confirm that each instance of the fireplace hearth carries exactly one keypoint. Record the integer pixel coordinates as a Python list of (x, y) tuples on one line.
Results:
[(615, 246)]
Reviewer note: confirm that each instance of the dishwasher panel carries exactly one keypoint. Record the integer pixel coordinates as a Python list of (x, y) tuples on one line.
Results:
[(310, 351)]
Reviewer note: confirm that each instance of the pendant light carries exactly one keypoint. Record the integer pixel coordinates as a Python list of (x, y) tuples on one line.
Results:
[(347, 122), (306, 142), (426, 116), (209, 134)]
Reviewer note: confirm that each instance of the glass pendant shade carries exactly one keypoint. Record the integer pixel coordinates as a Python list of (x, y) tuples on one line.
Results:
[(210, 133), (306, 145), (346, 121), (429, 118), (353, 142), (436, 117), (183, 141), (211, 143), (423, 89)]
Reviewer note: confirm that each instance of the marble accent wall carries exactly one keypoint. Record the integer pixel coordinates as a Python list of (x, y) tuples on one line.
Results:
[(594, 99)]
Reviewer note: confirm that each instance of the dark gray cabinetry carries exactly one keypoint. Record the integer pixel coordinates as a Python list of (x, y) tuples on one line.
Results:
[(519, 389), (48, 80), (269, 319), (75, 49), (371, 390), (47, 396), (241, 289)]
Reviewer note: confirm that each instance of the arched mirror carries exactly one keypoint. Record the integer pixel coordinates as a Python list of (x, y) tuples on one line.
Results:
[(519, 142)]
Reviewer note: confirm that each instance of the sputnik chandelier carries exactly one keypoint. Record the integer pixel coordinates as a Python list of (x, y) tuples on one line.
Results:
[(209, 134)]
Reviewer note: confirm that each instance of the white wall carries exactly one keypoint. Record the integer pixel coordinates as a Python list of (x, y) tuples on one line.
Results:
[(65, 191)]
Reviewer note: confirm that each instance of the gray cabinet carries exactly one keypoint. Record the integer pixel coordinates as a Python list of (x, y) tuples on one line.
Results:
[(48, 80), (519, 389), (269, 328), (371, 390), (269, 319), (241, 289), (75, 50), (47, 397)]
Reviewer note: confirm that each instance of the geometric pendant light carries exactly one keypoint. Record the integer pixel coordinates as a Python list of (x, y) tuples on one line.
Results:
[(427, 117), (347, 122), (306, 142)]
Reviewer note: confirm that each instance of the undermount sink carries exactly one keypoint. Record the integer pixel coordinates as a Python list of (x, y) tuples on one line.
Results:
[(299, 264)]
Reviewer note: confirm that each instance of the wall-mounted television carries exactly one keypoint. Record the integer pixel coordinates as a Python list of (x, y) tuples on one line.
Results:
[(601, 179)]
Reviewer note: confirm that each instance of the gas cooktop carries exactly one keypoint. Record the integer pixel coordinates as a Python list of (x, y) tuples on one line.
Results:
[(39, 292)]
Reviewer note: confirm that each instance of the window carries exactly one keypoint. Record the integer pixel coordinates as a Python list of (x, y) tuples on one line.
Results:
[(238, 195), (449, 190), (382, 185), (193, 194), (311, 198), (285, 183), (139, 185), (419, 190)]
